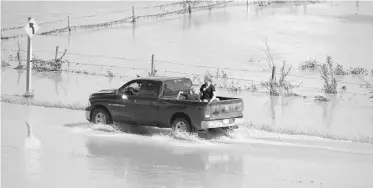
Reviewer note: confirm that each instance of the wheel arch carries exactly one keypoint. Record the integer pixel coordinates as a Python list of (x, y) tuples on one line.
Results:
[(100, 106), (181, 115)]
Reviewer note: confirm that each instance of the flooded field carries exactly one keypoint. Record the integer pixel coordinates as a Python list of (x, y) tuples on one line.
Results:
[(345, 116), (63, 150)]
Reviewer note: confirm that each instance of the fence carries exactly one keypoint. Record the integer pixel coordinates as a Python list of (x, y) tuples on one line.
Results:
[(152, 63), (186, 7)]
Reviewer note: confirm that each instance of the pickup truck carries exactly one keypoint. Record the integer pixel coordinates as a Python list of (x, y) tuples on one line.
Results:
[(153, 102)]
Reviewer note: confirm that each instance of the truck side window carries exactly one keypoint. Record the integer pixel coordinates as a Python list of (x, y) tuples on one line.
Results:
[(150, 89), (132, 89)]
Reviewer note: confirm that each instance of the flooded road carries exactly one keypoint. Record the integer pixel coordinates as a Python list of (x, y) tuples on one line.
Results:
[(64, 151), (346, 116)]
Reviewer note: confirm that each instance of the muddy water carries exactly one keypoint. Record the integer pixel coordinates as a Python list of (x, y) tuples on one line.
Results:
[(62, 150)]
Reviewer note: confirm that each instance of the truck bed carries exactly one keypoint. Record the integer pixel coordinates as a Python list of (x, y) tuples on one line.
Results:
[(226, 107)]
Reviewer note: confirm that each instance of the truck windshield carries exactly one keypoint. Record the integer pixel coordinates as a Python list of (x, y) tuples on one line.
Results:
[(172, 87)]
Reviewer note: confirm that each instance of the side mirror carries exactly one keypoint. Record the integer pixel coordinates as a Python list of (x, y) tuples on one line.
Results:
[(124, 97)]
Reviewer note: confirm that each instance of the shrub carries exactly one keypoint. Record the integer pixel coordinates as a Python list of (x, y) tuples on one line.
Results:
[(311, 64), (327, 74), (4, 63)]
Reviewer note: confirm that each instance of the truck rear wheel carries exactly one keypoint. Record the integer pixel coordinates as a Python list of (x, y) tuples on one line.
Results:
[(181, 125), (101, 116)]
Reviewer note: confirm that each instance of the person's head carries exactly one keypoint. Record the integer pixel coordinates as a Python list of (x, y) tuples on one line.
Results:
[(193, 90), (207, 81)]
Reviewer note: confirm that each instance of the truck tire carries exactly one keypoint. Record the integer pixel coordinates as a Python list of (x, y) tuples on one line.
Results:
[(102, 116), (181, 125)]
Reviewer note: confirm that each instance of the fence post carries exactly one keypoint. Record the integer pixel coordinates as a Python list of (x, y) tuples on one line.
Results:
[(68, 23), (152, 73), (273, 72), (189, 8), (29, 64), (133, 14), (273, 79), (56, 55)]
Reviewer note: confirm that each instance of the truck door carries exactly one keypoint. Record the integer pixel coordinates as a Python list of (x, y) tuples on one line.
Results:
[(123, 107), (145, 104)]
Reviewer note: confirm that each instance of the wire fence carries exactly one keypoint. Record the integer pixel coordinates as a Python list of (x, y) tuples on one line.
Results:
[(105, 69), (185, 8)]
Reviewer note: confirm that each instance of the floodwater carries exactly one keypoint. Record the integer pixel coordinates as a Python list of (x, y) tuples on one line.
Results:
[(227, 37), (345, 116), (62, 150)]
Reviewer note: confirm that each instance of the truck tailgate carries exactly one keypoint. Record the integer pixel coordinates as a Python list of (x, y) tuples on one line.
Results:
[(225, 109)]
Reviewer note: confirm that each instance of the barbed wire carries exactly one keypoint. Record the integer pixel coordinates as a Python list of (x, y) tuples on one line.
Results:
[(79, 54), (40, 23), (93, 15), (111, 23), (190, 65), (176, 72)]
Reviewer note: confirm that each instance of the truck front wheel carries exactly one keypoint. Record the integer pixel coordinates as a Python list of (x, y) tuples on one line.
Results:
[(181, 125), (101, 116)]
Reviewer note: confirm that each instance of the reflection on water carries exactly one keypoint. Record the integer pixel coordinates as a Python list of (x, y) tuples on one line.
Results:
[(328, 109), (32, 154), (20, 72), (154, 163)]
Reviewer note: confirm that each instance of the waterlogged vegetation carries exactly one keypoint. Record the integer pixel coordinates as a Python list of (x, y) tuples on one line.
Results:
[(275, 85), (314, 65), (27, 99)]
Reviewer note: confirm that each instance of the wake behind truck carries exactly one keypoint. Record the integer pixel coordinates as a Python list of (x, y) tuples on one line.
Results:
[(153, 102)]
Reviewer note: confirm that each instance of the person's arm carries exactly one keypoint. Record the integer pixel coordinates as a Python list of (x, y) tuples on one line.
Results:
[(213, 93), (200, 91), (178, 95)]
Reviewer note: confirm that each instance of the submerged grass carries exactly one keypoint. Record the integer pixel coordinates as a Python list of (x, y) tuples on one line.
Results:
[(285, 131), (16, 99), (314, 65), (4, 63)]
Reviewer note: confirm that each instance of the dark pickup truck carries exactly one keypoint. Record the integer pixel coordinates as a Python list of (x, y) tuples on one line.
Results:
[(153, 101)]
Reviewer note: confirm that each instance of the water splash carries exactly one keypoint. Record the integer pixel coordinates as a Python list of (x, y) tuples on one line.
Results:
[(89, 127)]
